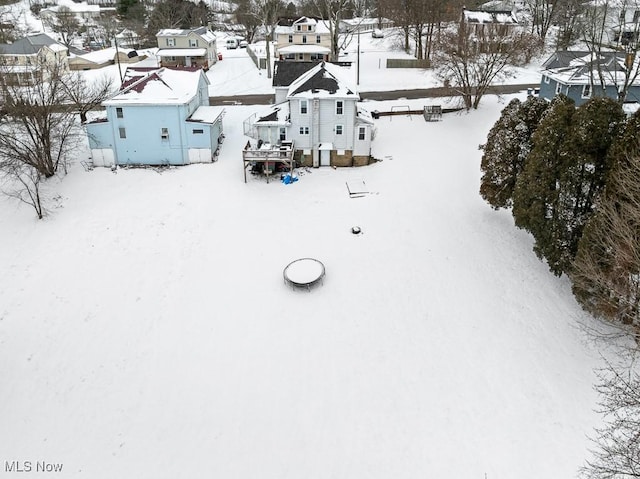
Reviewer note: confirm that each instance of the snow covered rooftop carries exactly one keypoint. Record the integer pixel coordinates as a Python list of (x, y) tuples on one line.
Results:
[(322, 80), (207, 114), (580, 67), (274, 115), (304, 49), (182, 52), (157, 86), (203, 32), (485, 16)]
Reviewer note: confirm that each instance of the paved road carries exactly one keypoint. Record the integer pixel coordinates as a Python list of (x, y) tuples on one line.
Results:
[(266, 99)]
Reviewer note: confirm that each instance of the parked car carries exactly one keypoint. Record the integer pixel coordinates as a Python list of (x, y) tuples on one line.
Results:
[(377, 33), (243, 44), (232, 44)]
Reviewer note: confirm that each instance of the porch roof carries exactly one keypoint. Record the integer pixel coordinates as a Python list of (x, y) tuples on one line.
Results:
[(182, 52), (304, 49)]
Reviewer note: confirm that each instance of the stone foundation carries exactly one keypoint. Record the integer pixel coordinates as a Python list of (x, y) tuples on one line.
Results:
[(336, 160)]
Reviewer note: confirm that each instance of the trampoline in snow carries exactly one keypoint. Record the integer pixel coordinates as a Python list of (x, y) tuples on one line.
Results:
[(304, 273)]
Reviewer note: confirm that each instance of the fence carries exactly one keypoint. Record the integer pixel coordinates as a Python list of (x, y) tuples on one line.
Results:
[(407, 63)]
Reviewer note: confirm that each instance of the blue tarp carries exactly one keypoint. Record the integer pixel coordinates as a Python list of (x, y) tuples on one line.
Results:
[(288, 179)]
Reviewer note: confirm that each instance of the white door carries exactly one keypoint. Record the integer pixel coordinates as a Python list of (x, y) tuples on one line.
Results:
[(103, 157), (325, 157)]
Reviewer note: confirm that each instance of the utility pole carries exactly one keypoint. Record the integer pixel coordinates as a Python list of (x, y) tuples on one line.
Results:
[(358, 61)]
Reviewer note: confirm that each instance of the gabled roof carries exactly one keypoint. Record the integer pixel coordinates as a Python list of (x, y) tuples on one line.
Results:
[(322, 80), (502, 17), (158, 86), (320, 26), (30, 45), (284, 73), (203, 32), (581, 67)]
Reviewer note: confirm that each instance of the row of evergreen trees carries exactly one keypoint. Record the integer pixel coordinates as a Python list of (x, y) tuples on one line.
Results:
[(571, 177)]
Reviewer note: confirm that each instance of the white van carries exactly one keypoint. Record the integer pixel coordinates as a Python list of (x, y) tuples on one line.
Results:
[(232, 43)]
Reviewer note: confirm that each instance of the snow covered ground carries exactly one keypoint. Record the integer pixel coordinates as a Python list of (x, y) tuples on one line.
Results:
[(236, 74), (146, 330)]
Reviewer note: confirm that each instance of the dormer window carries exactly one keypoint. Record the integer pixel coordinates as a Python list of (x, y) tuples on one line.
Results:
[(299, 28)]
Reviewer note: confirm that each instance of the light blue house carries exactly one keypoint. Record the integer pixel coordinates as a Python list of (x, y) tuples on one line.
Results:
[(159, 117), (577, 74)]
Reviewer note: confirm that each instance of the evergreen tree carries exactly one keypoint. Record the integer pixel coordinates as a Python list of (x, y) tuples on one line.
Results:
[(535, 196), (606, 271), (508, 145), (568, 173)]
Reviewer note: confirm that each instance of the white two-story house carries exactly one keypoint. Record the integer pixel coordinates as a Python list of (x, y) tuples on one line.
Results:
[(187, 48), (306, 39), (323, 119)]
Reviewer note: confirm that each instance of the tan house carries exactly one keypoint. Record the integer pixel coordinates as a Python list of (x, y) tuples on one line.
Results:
[(187, 48), (102, 58), (305, 39), (31, 59)]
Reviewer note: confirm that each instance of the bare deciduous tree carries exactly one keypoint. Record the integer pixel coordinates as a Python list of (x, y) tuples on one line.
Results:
[(471, 57), (65, 23), (617, 445), (85, 96), (39, 134), (267, 11)]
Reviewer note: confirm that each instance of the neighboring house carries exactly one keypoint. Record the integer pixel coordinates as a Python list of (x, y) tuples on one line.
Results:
[(306, 39), (82, 11), (127, 39), (160, 116), (575, 74), (31, 59), (102, 58), (360, 24), (486, 25), (321, 117), (187, 48)]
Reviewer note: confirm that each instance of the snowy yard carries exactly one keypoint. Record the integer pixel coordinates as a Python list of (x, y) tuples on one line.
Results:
[(146, 330)]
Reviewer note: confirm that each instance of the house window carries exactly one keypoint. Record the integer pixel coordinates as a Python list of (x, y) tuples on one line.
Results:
[(165, 134), (283, 134), (545, 78), (290, 38), (304, 107), (558, 87), (318, 38), (339, 129), (119, 113), (586, 91), (301, 56), (339, 107), (123, 132), (304, 39), (362, 132), (198, 132), (304, 130), (171, 42), (299, 28), (193, 42)]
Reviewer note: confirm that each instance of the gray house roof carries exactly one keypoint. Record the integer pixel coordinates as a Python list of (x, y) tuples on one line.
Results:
[(27, 45), (579, 67), (285, 73)]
